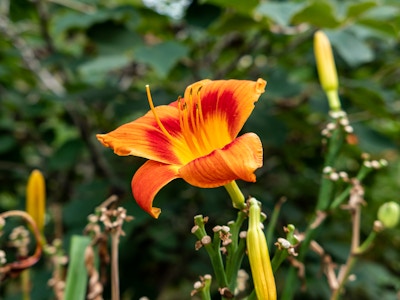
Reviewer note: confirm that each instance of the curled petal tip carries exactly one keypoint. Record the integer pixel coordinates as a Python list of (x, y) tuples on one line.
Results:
[(260, 86), (155, 212), (100, 138)]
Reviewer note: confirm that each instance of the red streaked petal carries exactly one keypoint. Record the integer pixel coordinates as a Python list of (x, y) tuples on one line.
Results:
[(148, 180), (229, 100), (144, 138), (237, 160)]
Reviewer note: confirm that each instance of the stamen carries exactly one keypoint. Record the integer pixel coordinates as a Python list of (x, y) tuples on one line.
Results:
[(155, 114)]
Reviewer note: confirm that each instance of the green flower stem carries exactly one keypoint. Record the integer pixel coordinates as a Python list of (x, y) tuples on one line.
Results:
[(205, 294), (234, 263), (236, 250), (214, 254), (235, 228), (355, 252), (26, 284), (326, 190), (236, 195), (367, 243), (325, 193), (205, 290), (324, 197), (333, 100), (291, 284), (252, 296), (362, 173), (281, 254), (273, 221), (351, 261)]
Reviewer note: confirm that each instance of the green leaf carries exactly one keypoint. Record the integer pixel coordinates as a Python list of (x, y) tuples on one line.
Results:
[(280, 12), (77, 276), (241, 6), (351, 48), (78, 20), (379, 29), (113, 40), (319, 13), (372, 141), (83, 202), (67, 155), (383, 12), (161, 57), (7, 142), (355, 10), (95, 70)]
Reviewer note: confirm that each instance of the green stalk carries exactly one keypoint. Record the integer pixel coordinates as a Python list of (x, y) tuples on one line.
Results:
[(215, 256), (236, 195), (273, 221), (324, 198), (235, 251), (362, 173)]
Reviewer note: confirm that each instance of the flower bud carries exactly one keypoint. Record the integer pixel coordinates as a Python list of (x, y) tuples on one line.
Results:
[(36, 198), (260, 264), (389, 214), (326, 69), (325, 62)]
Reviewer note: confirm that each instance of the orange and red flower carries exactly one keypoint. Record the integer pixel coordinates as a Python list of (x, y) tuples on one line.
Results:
[(193, 138)]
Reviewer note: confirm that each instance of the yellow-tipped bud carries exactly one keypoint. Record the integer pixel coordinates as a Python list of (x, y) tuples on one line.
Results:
[(326, 68), (36, 198), (260, 263)]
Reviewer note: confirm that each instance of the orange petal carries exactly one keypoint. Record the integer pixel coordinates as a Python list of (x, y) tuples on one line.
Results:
[(144, 138), (237, 160), (226, 101), (148, 180)]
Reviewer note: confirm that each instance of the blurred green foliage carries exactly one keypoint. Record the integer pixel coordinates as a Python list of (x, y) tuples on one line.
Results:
[(104, 52)]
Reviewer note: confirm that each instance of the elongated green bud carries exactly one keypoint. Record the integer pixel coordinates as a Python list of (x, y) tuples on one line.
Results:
[(260, 263)]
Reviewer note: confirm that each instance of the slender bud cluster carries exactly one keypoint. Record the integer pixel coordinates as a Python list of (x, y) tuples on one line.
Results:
[(334, 175), (340, 120)]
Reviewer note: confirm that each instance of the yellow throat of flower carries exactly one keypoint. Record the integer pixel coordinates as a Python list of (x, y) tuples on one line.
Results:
[(198, 136)]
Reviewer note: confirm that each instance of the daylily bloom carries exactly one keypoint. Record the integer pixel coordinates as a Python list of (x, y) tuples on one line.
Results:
[(193, 138)]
